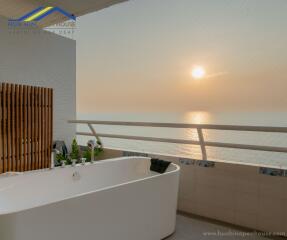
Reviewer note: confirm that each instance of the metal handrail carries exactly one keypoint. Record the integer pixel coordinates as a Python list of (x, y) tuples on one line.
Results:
[(186, 125), (199, 127)]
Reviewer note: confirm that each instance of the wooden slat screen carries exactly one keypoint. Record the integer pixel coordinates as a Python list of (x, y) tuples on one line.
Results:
[(26, 127)]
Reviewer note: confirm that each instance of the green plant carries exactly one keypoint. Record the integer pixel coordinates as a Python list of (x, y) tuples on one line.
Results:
[(75, 153), (88, 153), (61, 157)]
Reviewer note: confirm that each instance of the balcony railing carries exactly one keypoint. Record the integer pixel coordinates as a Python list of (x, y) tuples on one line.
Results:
[(199, 127)]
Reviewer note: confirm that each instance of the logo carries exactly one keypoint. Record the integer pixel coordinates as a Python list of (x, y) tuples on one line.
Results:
[(42, 12), (28, 23)]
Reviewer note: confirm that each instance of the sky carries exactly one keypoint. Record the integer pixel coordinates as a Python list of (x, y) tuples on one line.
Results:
[(138, 56)]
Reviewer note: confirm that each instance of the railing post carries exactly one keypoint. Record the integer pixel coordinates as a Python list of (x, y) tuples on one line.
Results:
[(202, 143), (94, 133)]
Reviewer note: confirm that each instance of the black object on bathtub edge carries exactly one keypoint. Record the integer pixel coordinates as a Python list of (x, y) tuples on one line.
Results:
[(158, 165)]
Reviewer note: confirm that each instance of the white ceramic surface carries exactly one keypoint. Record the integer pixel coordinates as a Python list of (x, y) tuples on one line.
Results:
[(113, 199)]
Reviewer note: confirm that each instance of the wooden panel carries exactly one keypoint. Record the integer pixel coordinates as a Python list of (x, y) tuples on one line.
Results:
[(17, 128), (21, 129), (36, 129), (8, 132), (41, 128), (50, 127), (4, 127), (13, 132), (26, 125), (45, 129), (28, 139)]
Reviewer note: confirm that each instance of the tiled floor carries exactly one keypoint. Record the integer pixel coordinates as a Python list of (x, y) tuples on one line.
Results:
[(196, 229)]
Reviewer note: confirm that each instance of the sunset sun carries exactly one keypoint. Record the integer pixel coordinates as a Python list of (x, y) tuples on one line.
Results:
[(198, 72)]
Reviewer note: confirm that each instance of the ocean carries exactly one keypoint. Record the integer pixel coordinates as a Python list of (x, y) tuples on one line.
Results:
[(269, 159)]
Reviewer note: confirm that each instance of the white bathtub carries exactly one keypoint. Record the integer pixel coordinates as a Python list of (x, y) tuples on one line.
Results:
[(117, 199)]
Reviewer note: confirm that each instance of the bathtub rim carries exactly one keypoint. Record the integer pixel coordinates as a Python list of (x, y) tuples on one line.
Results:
[(171, 172)]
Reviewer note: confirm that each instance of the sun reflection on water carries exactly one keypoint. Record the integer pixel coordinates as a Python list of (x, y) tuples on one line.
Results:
[(198, 117)]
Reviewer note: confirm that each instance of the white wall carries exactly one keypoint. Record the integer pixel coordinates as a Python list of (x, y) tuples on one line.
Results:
[(42, 59)]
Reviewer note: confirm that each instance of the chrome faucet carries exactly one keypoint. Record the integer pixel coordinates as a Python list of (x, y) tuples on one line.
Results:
[(92, 145), (53, 157)]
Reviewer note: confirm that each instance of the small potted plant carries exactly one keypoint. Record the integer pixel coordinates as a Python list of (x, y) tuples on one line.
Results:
[(75, 152), (61, 158)]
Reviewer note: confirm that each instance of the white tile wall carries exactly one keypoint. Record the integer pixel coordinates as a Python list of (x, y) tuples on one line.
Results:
[(235, 194), (238, 195)]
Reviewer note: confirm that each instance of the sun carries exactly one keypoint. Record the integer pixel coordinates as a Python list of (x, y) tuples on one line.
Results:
[(198, 72)]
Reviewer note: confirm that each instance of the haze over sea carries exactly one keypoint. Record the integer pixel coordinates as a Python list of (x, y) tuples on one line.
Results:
[(191, 151)]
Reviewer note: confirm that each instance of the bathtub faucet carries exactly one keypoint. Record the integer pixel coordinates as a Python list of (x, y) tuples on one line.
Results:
[(54, 153), (91, 146)]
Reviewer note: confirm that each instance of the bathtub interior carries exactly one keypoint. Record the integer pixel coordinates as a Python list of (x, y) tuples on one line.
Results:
[(38, 188)]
